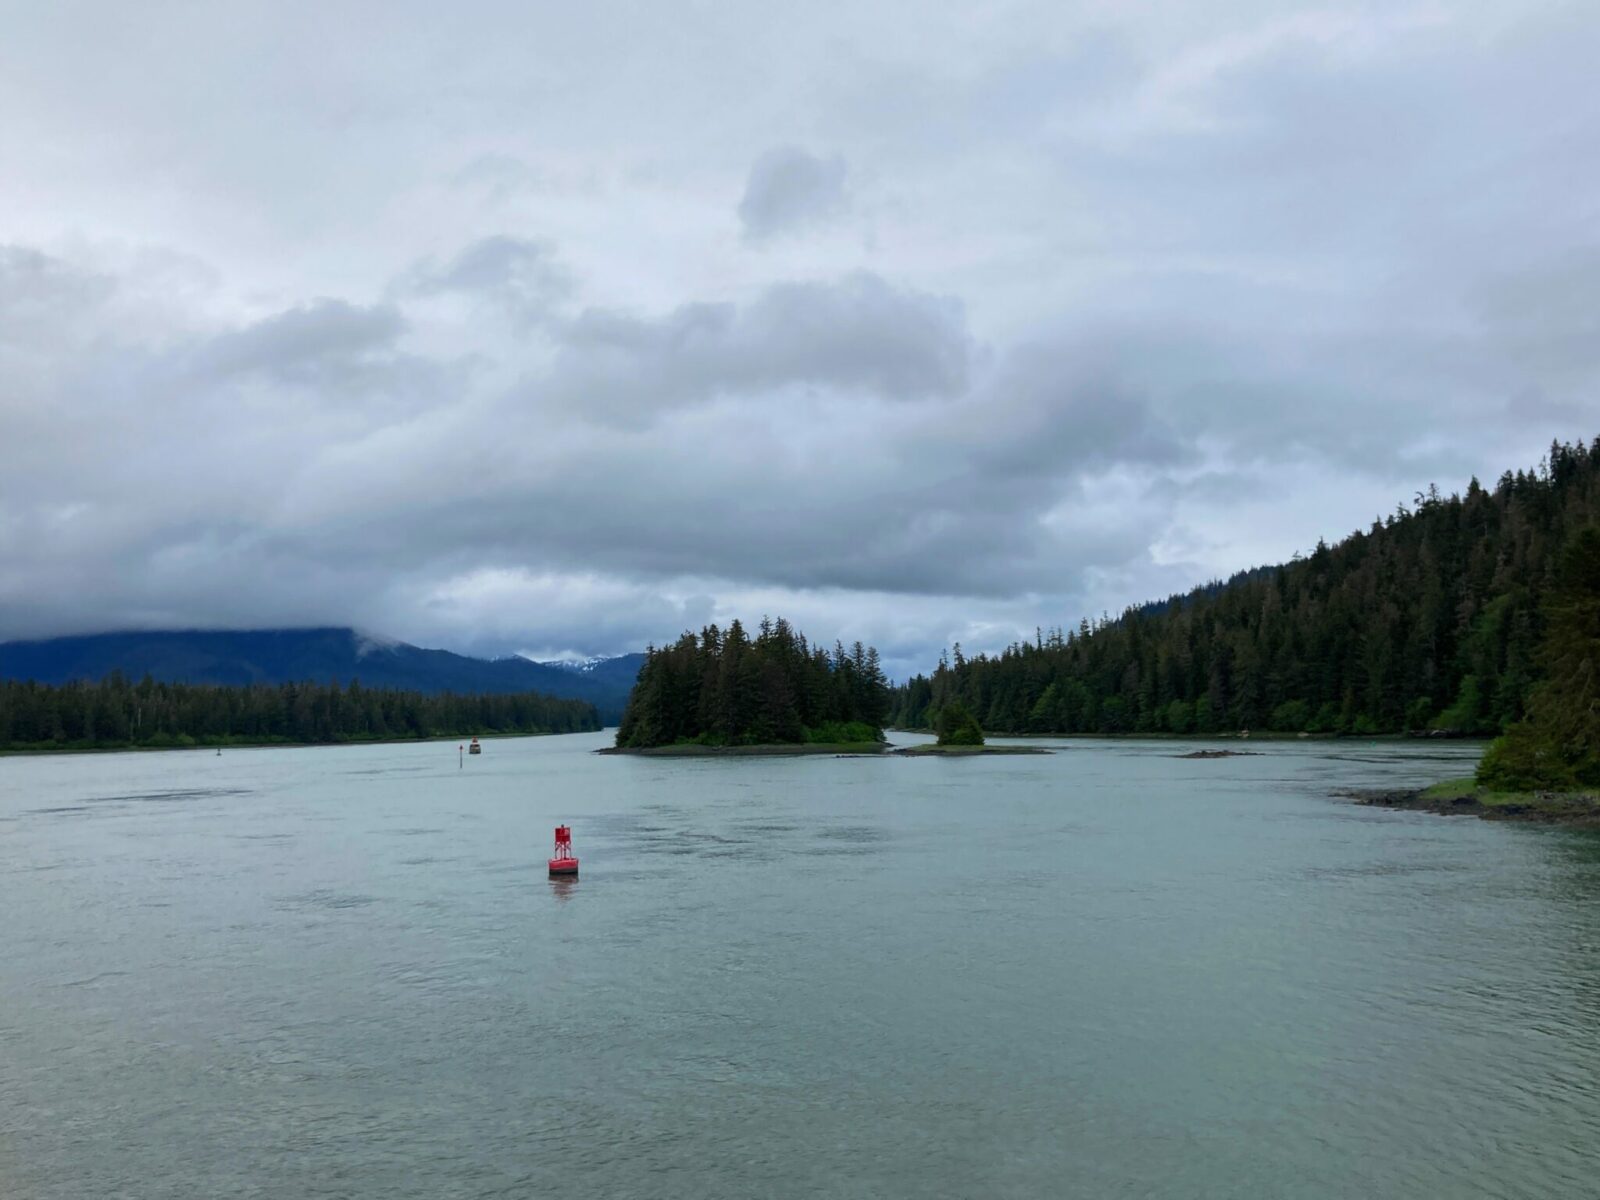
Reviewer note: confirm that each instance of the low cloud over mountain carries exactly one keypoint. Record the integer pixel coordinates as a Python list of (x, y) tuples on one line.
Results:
[(916, 342)]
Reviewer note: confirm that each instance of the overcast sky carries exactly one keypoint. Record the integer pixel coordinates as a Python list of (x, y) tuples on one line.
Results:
[(561, 328)]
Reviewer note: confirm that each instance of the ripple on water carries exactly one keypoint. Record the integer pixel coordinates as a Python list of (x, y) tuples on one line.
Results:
[(170, 796), (854, 833), (1379, 869), (323, 898), (92, 980), (849, 840), (767, 827)]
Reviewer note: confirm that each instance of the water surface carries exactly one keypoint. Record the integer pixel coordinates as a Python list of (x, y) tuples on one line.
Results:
[(1109, 972)]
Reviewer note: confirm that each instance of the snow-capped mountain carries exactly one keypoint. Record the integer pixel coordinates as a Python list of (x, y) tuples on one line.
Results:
[(582, 666)]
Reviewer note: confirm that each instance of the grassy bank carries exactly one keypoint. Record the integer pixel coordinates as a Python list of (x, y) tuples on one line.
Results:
[(1463, 797)]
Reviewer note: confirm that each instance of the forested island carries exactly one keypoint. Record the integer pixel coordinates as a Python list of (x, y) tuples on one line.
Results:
[(115, 713), (724, 691), (1430, 621)]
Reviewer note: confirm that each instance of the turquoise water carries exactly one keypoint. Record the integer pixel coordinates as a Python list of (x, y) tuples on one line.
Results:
[(1110, 972)]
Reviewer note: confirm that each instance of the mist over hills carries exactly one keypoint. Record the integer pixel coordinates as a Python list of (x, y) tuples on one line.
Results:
[(240, 657)]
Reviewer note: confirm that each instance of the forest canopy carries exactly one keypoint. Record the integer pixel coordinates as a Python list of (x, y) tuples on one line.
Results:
[(1432, 619), (723, 688), (116, 713)]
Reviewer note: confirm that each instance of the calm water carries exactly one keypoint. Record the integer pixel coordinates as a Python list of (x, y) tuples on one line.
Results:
[(1106, 973)]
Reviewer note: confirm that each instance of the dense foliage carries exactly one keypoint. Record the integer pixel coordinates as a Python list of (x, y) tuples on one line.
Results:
[(1430, 619), (724, 689), (956, 726), (1558, 745), (115, 712)]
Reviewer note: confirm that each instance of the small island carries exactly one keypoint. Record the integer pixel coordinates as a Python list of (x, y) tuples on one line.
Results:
[(723, 693), (960, 735)]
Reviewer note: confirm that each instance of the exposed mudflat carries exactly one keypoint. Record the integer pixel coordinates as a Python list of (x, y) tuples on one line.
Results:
[(1581, 809)]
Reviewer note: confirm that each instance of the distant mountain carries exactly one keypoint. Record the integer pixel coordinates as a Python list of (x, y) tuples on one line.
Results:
[(291, 655), (620, 671), (581, 666)]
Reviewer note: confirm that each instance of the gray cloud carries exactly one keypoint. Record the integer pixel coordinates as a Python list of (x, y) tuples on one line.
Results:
[(1111, 307), (857, 333), (518, 276), (790, 189), (305, 344)]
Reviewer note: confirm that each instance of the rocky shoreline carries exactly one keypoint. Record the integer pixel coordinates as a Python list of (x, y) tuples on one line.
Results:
[(1459, 798)]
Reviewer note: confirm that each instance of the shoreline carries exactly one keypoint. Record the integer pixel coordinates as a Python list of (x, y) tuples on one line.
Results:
[(1463, 798), (45, 752), (805, 749), (770, 750), (965, 751), (1251, 736)]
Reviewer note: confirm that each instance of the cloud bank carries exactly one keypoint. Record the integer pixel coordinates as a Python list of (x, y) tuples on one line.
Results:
[(1095, 312)]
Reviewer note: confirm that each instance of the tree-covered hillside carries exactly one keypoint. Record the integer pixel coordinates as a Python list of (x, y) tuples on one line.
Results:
[(1432, 618), (723, 689), (115, 712), (237, 658)]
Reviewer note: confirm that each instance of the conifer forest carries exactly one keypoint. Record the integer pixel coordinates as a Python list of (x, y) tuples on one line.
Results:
[(114, 712), (1433, 619)]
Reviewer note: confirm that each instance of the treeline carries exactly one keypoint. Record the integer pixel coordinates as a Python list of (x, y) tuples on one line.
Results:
[(1558, 744), (1431, 619), (725, 689), (115, 713)]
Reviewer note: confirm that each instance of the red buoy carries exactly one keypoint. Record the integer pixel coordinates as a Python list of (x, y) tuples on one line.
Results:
[(563, 862)]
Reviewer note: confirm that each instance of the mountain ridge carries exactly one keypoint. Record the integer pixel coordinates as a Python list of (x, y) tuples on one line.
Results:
[(322, 654)]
